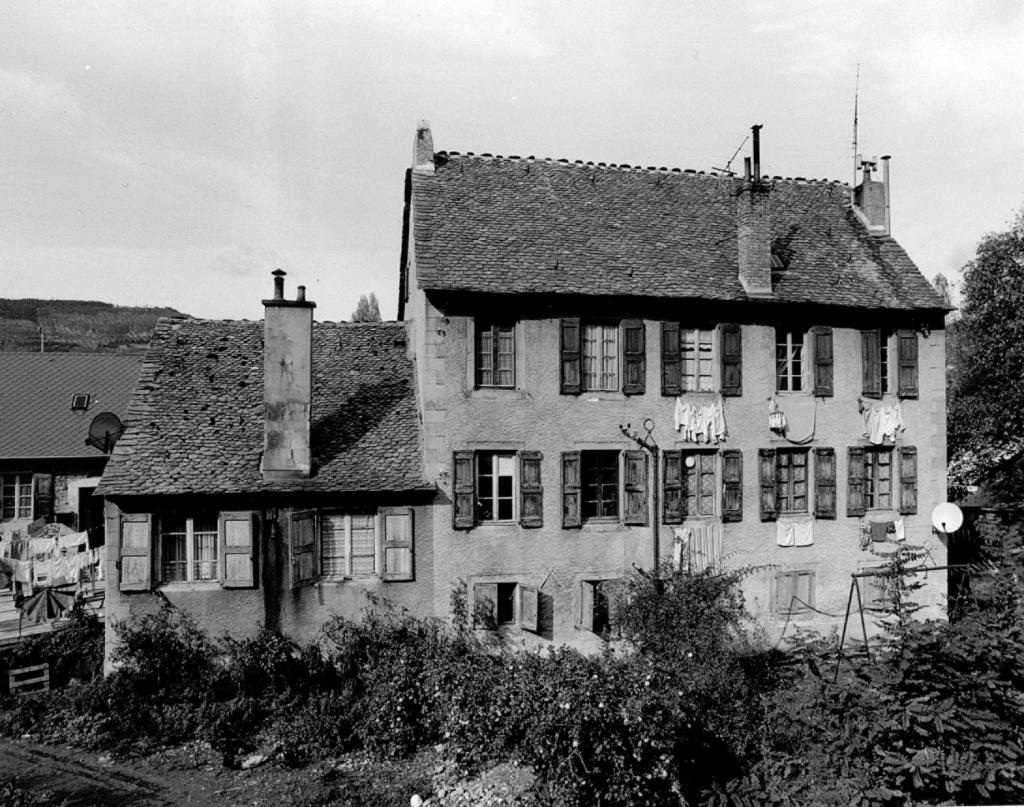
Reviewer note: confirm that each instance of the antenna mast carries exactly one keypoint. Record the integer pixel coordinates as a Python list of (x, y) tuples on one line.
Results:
[(728, 166), (856, 97)]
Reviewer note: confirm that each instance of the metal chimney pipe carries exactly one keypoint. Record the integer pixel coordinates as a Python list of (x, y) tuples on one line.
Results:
[(278, 283), (746, 169), (885, 183), (300, 294), (756, 130)]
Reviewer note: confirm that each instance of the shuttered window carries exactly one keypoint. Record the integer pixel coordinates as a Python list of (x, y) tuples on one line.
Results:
[(634, 357), (872, 363), (794, 592), (823, 361), (136, 552), (531, 491), (635, 488), (238, 549), (906, 346), (825, 482), (689, 485), (495, 354), (687, 358), (908, 480), (495, 486), (766, 481), (188, 548), (571, 371), (855, 482), (732, 359), (732, 485), (572, 506), (368, 544)]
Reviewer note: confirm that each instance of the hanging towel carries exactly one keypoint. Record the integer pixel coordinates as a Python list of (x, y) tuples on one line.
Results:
[(42, 571), (719, 422), (878, 530), (23, 571), (901, 530), (803, 533), (799, 415), (75, 539), (784, 533), (681, 547), (42, 547)]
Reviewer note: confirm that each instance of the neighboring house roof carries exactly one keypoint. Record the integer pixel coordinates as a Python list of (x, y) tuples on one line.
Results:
[(195, 421), (512, 225), (36, 420)]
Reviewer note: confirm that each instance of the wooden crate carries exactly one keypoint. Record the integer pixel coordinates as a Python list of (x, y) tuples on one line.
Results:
[(29, 679)]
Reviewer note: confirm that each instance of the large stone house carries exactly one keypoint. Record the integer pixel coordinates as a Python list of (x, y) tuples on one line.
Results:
[(599, 367)]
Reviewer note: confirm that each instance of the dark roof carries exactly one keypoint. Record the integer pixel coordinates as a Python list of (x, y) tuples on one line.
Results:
[(36, 420), (195, 422), (512, 225)]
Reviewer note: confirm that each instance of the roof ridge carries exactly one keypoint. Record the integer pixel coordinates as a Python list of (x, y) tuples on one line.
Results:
[(446, 156)]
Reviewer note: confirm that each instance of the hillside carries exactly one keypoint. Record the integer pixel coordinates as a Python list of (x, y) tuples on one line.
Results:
[(76, 325)]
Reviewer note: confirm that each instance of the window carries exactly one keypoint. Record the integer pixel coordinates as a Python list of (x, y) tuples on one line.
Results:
[(188, 548), (791, 481), (690, 484), (354, 545), (80, 402), (789, 360), (600, 477), (794, 592), (689, 355), (875, 359), (15, 496), (495, 486), (495, 355), (599, 604), (600, 357), (505, 603), (696, 349), (878, 478)]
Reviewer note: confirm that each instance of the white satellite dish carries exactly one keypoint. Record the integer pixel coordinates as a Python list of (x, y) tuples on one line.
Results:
[(947, 517)]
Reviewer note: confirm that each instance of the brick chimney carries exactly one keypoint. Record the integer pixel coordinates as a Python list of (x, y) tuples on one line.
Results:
[(287, 384), (871, 198), (753, 220), (423, 149)]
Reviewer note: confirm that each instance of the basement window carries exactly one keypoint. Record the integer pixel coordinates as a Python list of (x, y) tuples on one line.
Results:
[(80, 401)]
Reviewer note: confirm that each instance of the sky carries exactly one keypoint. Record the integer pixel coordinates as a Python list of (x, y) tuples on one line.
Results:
[(173, 153)]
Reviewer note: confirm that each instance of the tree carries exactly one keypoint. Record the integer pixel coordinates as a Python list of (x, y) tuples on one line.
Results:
[(986, 407), (367, 310)]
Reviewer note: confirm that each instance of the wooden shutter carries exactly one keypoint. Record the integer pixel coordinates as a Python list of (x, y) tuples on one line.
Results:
[(635, 509), (803, 587), (485, 605), (634, 357), (906, 349), (42, 485), (302, 547), (571, 504), (463, 490), (855, 483), (766, 478), (614, 593), (732, 485), (587, 595), (136, 560), (823, 361), (531, 493), (671, 359), (237, 550), (672, 490), (908, 480), (871, 352), (784, 592), (570, 346), (732, 359), (397, 523), (528, 610), (825, 482)]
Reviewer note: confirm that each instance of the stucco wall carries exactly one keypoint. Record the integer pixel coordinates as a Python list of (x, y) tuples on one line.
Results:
[(535, 416)]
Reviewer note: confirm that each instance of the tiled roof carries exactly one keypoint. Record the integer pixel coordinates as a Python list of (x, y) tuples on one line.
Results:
[(195, 421), (514, 225), (36, 420)]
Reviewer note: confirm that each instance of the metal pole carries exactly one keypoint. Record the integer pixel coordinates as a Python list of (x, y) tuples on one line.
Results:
[(842, 639), (655, 537), (863, 626)]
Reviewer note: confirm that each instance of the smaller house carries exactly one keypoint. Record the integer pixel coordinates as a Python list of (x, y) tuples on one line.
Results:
[(270, 473)]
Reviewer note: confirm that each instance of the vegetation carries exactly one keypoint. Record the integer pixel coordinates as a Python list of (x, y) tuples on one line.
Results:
[(694, 713), (367, 309)]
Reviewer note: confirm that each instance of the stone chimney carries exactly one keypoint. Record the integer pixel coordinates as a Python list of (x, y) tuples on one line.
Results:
[(753, 220), (287, 384), (423, 149), (871, 198)]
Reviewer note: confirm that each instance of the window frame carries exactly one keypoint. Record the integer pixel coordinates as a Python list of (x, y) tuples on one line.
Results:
[(691, 382), (789, 375), (521, 618), (601, 356), (616, 464), (380, 544), (190, 561), (785, 494), (872, 469), (21, 490), (493, 330)]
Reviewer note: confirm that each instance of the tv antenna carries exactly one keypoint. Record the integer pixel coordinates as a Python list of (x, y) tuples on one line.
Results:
[(727, 169), (856, 98)]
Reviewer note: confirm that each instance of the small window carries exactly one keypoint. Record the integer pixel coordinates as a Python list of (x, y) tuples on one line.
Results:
[(600, 478), (789, 360), (188, 548), (495, 486), (794, 592), (599, 604), (504, 603), (15, 496), (878, 478), (80, 402), (791, 480), (495, 355), (600, 357)]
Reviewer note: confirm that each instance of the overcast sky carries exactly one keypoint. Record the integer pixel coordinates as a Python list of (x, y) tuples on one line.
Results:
[(175, 153)]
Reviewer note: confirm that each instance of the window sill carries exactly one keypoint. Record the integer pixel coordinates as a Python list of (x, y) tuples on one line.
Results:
[(495, 393), (204, 585), (341, 581), (602, 525)]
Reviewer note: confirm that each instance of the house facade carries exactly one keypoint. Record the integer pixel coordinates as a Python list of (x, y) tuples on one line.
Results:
[(768, 335), (270, 474)]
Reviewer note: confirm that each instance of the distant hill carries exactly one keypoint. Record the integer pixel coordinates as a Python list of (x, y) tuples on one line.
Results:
[(72, 326)]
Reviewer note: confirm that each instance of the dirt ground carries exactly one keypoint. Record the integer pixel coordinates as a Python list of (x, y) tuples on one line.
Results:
[(193, 775)]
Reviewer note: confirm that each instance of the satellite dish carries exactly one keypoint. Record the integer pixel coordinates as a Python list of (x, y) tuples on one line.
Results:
[(103, 431), (947, 517)]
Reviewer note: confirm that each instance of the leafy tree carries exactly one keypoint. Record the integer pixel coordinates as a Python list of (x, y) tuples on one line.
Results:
[(986, 408), (367, 310)]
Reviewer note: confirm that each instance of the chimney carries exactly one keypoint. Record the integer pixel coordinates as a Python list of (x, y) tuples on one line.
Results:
[(754, 227), (423, 149), (871, 198), (287, 384)]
